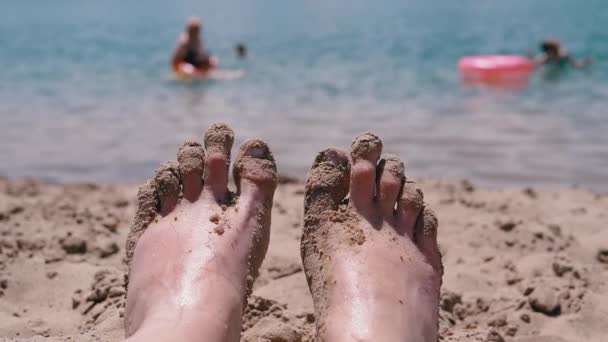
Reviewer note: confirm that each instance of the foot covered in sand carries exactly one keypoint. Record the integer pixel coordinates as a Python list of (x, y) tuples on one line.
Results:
[(195, 247), (372, 261)]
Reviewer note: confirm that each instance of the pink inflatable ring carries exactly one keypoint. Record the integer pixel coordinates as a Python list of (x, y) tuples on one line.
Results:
[(495, 68)]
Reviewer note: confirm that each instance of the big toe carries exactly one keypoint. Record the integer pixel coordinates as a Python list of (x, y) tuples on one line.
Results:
[(218, 143), (365, 152), (255, 171), (327, 184)]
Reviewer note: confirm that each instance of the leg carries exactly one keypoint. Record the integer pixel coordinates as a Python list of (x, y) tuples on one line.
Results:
[(195, 247), (372, 265)]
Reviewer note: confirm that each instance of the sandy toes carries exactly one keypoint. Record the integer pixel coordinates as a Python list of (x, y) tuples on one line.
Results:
[(195, 247), (372, 261)]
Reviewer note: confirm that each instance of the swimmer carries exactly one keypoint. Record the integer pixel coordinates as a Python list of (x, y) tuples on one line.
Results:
[(369, 244), (554, 54), (190, 48), (240, 50)]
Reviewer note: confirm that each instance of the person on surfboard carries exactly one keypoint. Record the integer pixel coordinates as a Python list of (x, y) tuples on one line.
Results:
[(190, 49)]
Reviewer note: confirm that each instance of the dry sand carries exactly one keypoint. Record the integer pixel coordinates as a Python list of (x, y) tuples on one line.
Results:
[(521, 265)]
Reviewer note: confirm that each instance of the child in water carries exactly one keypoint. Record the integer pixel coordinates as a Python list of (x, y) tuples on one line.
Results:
[(240, 50), (554, 54)]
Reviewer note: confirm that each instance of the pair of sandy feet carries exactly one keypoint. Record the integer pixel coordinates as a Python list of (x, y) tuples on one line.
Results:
[(369, 246)]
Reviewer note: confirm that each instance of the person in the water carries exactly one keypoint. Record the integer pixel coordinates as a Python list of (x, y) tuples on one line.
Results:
[(190, 48), (240, 50), (554, 54)]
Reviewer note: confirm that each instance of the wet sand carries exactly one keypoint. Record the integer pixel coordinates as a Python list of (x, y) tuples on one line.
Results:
[(520, 265)]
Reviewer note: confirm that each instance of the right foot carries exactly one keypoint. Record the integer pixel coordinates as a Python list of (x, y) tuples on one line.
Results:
[(195, 247), (373, 265)]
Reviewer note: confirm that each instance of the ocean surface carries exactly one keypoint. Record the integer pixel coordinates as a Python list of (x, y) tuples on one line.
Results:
[(86, 93)]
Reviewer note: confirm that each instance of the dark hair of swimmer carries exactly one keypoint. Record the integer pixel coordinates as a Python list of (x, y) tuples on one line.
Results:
[(241, 50), (193, 26), (550, 47)]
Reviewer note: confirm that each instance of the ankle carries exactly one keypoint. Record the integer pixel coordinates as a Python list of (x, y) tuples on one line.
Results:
[(213, 321), (347, 330), (210, 311), (223, 325), (381, 320)]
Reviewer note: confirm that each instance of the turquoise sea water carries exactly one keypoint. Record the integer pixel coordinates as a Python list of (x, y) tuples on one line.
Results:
[(86, 93)]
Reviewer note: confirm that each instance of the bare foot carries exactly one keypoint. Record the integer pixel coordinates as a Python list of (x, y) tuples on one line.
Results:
[(195, 247), (373, 265)]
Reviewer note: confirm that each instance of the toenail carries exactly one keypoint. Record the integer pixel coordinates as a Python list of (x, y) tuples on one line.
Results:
[(394, 165), (335, 157), (167, 179), (332, 156), (257, 152), (366, 146)]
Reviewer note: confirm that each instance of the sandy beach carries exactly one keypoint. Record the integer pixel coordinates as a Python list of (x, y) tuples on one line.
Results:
[(498, 109), (520, 264)]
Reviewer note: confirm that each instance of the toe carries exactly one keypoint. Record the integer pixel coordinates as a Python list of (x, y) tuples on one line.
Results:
[(326, 184), (409, 206), (255, 175), (218, 143), (168, 187), (255, 171), (365, 151), (147, 209), (191, 158), (426, 238), (390, 181)]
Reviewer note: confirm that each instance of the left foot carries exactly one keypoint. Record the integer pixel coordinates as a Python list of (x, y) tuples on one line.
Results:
[(195, 247)]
